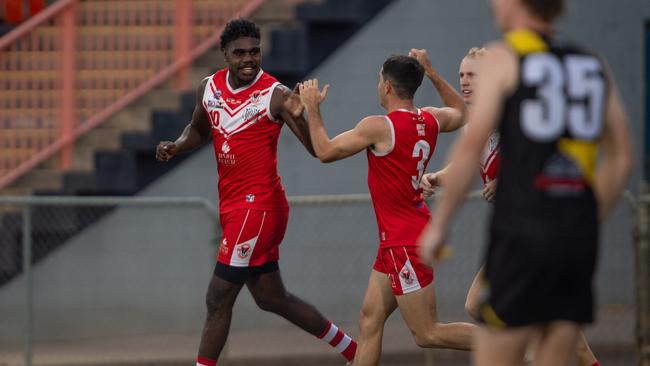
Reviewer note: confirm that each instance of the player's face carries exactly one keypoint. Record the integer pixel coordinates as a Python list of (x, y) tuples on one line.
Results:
[(467, 74), (244, 58)]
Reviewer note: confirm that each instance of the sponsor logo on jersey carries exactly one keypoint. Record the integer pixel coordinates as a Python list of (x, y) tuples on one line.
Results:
[(406, 275), (233, 101), (421, 130), (225, 148), (250, 198), (224, 246), (243, 250), (251, 112)]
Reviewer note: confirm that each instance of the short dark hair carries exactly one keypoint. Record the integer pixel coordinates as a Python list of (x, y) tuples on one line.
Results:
[(548, 10), (238, 28), (404, 73)]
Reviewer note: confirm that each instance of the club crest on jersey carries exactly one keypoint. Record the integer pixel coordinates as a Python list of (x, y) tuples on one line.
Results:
[(420, 127), (225, 148), (255, 97), (243, 250), (217, 94), (406, 275)]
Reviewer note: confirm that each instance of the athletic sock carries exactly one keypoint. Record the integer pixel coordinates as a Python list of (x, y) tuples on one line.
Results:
[(202, 361), (341, 341), (596, 363)]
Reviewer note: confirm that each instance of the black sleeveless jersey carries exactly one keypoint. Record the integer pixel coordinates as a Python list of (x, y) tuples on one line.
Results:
[(550, 129)]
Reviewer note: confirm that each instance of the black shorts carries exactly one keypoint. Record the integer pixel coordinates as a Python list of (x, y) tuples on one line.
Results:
[(538, 280), (241, 275)]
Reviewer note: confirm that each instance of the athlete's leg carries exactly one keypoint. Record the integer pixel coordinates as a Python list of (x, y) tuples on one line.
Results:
[(378, 303), (419, 312), (585, 355), (271, 295), (558, 344), (472, 301), (503, 347), (219, 299)]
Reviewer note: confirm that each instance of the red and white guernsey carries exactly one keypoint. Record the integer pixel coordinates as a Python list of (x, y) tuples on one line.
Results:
[(394, 177), (245, 137), (490, 159)]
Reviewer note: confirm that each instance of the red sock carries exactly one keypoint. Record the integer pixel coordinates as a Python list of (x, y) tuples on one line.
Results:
[(202, 361), (337, 338), (596, 363)]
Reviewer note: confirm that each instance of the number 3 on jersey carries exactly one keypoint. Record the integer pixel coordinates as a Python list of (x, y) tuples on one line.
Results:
[(421, 152), (570, 94)]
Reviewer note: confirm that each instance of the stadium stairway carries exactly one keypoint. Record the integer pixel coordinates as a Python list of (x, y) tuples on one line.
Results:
[(118, 157)]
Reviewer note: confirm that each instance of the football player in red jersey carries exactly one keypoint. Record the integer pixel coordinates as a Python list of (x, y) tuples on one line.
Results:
[(490, 157), (398, 146), (242, 109), (554, 104)]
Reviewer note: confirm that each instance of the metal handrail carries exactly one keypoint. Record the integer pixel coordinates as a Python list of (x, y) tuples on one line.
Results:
[(70, 133)]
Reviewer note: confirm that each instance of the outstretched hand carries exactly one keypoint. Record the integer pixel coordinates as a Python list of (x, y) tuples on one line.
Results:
[(423, 58), (310, 95), (430, 183), (431, 245), (291, 101)]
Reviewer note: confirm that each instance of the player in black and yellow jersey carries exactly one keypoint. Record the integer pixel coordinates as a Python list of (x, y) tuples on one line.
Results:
[(555, 106)]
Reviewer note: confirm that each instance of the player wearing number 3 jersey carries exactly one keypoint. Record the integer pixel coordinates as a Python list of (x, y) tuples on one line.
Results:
[(399, 146)]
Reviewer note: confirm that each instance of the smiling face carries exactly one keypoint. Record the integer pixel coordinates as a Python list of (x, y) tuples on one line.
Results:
[(244, 58), (467, 72)]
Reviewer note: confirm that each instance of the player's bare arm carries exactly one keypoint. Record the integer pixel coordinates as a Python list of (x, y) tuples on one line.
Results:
[(371, 131), (452, 116), (195, 134), (614, 169), (431, 181), (286, 105), (493, 86)]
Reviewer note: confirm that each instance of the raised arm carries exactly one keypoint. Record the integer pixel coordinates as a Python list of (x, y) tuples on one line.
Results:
[(195, 134), (452, 116), (370, 132), (614, 169), (286, 105), (493, 87)]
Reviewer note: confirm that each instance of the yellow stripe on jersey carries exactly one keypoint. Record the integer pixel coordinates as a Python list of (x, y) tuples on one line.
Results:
[(488, 314), (525, 42), (584, 154)]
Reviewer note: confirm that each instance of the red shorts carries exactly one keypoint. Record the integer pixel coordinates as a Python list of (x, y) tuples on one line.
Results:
[(251, 237), (404, 269)]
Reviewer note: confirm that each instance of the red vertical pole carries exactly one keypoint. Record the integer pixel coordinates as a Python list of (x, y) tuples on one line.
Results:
[(182, 39), (67, 115)]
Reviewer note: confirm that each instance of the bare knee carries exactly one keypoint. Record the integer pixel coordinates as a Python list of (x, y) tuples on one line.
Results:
[(273, 303), (220, 297), (370, 320), (428, 339)]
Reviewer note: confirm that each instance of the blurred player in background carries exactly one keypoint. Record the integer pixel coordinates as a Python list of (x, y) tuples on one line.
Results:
[(398, 146), (489, 166), (242, 109), (553, 104)]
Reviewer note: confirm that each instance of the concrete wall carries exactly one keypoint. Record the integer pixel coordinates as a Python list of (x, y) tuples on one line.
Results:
[(328, 250)]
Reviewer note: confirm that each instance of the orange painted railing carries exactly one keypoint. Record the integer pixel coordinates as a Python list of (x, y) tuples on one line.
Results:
[(71, 66)]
